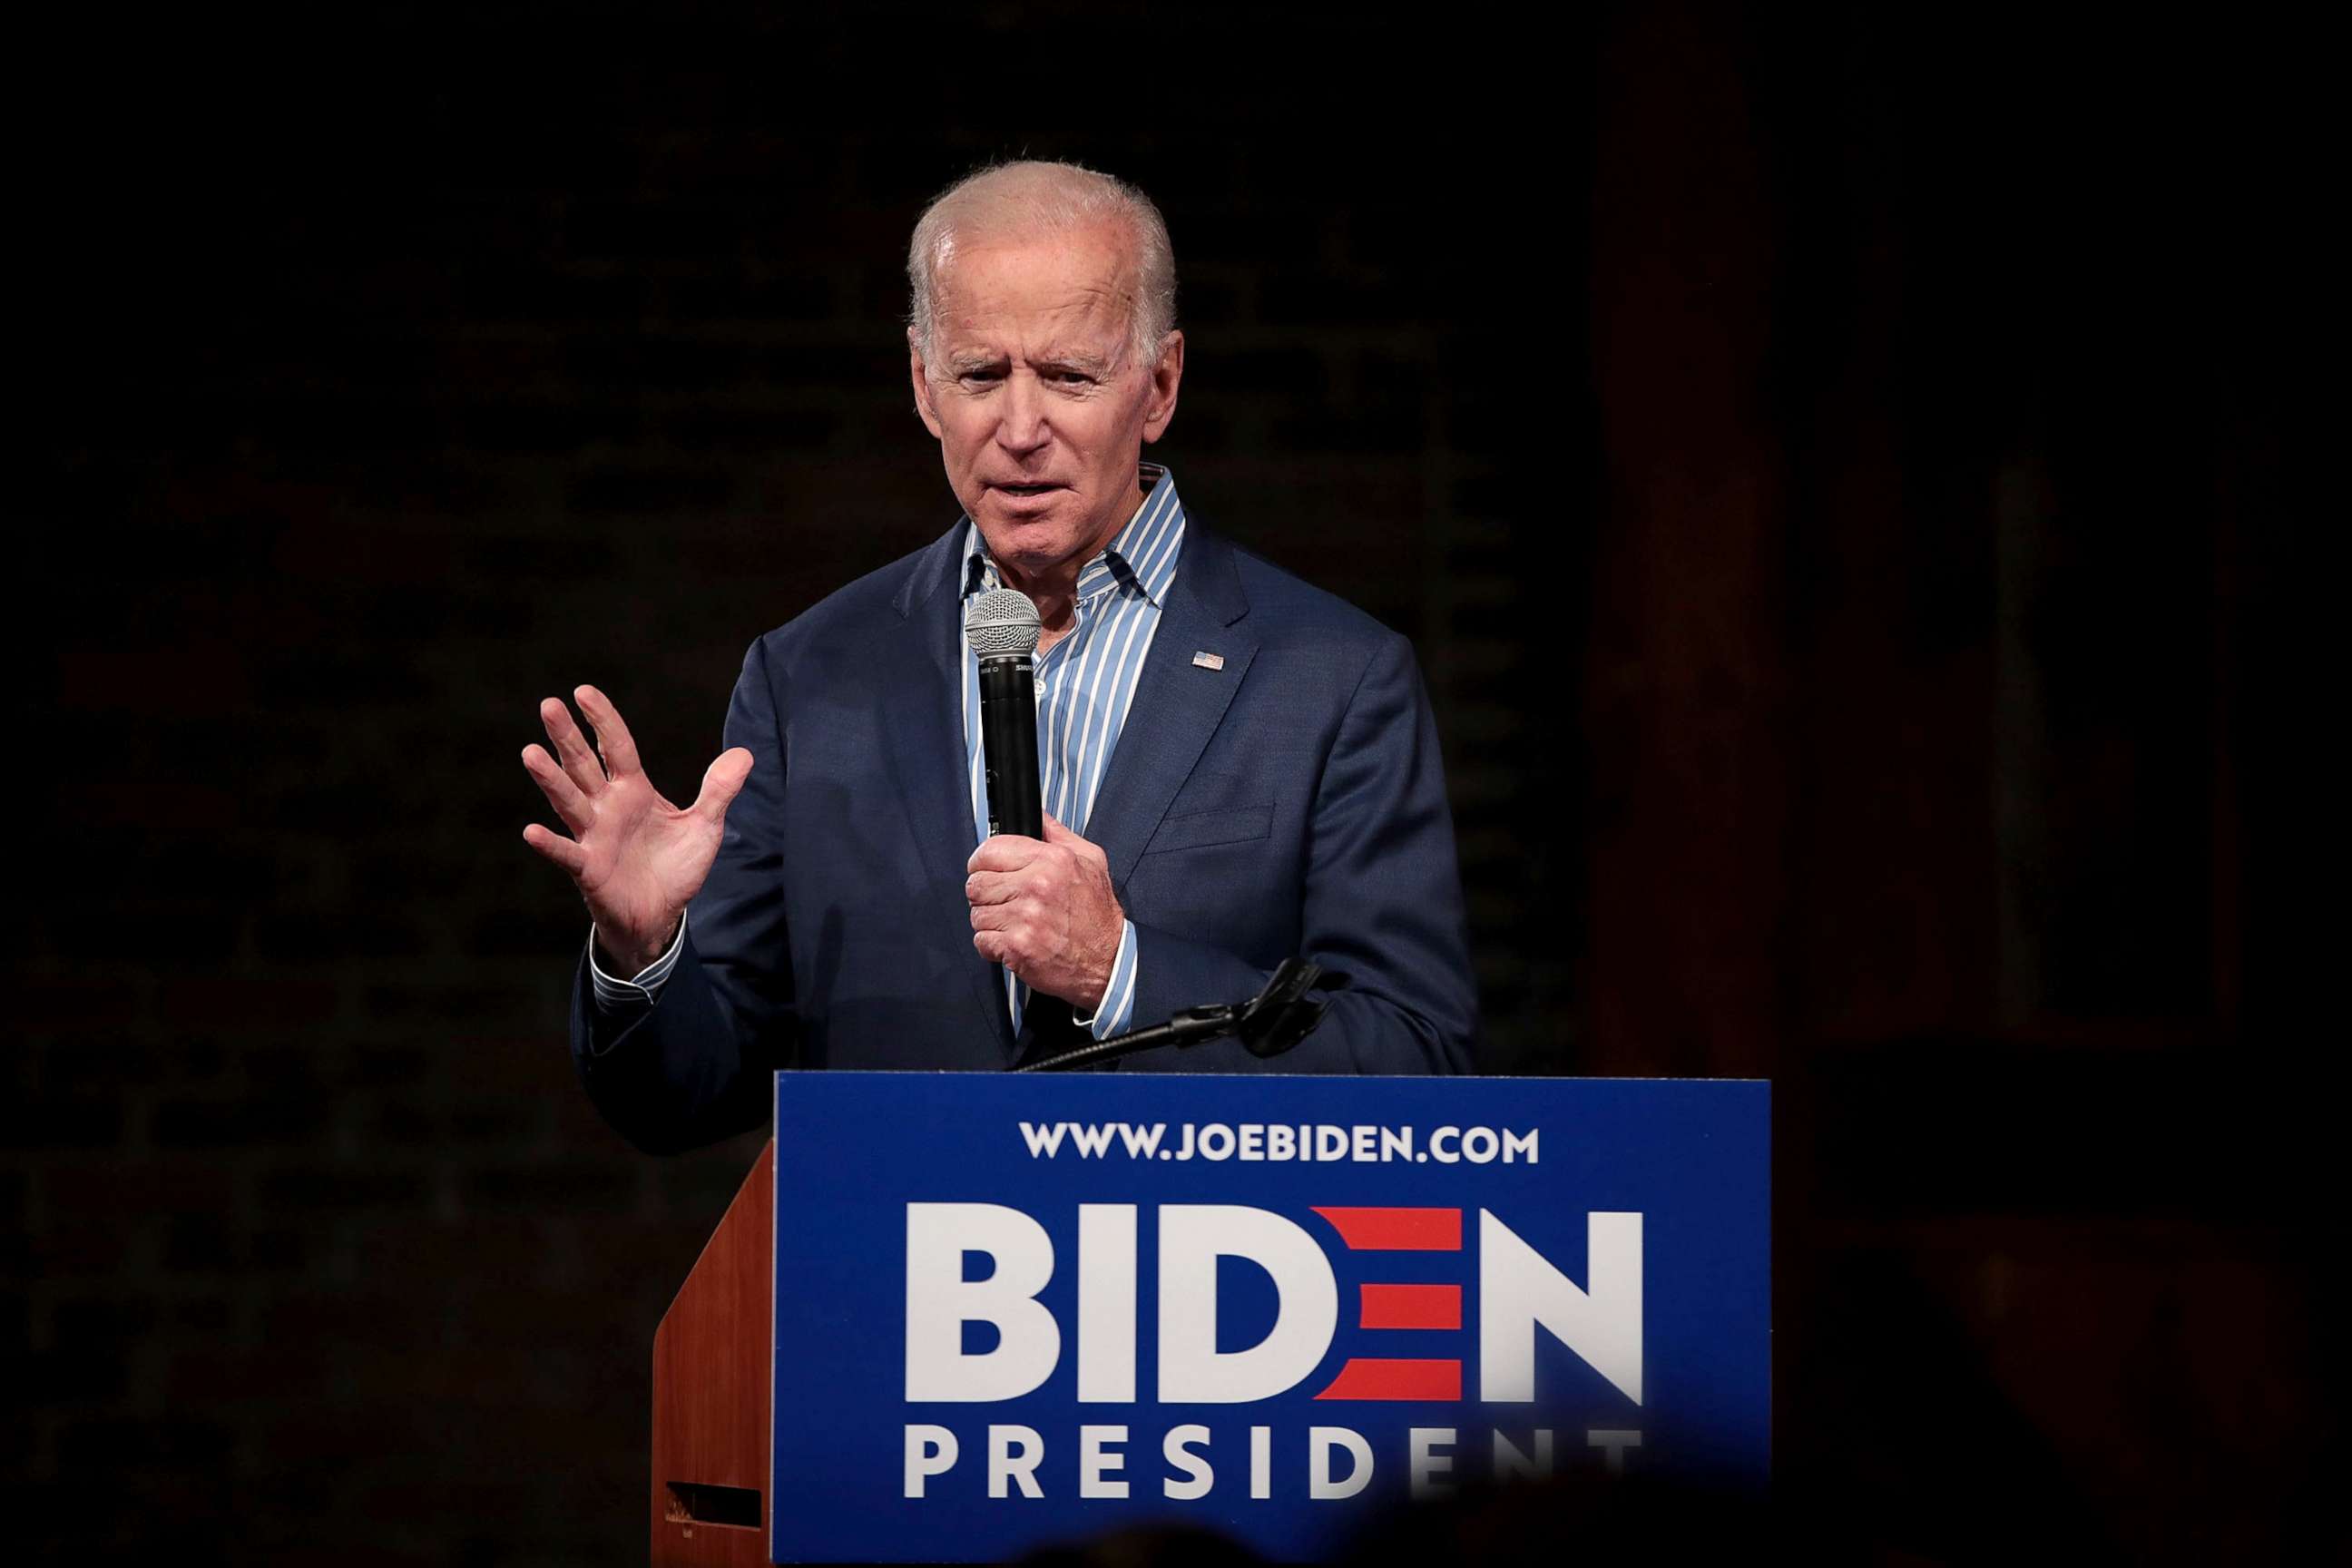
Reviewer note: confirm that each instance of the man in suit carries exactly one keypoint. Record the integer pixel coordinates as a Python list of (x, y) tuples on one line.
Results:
[(1237, 767)]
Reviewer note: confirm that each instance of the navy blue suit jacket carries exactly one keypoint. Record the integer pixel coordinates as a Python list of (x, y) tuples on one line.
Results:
[(1291, 802)]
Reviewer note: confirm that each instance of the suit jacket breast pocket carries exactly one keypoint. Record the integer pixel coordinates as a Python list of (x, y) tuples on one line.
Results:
[(1201, 829)]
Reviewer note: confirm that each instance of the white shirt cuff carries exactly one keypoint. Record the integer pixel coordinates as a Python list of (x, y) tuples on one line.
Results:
[(643, 991), (1118, 1003)]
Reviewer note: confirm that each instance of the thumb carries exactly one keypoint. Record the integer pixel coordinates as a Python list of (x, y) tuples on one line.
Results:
[(722, 781), (1058, 834)]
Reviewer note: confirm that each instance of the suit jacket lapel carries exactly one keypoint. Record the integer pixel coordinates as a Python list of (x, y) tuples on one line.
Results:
[(920, 686), (1177, 704)]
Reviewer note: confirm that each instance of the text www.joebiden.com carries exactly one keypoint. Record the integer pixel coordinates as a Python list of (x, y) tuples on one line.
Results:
[(1306, 1143)]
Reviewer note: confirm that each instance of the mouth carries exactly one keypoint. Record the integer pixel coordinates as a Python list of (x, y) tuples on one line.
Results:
[(1026, 490)]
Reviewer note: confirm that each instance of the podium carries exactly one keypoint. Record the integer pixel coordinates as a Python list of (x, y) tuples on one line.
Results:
[(990, 1314), (712, 1393)]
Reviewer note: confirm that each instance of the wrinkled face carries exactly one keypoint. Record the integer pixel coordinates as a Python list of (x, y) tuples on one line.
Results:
[(1040, 404)]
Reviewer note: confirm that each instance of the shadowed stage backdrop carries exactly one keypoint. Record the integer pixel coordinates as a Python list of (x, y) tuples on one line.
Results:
[(1831, 468)]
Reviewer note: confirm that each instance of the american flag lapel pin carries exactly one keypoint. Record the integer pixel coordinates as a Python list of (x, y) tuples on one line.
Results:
[(1208, 660)]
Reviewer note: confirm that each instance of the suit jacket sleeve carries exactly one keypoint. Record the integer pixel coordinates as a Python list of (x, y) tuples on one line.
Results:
[(694, 1066), (1381, 903)]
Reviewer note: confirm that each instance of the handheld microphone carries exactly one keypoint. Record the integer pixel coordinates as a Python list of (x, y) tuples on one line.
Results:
[(1003, 628)]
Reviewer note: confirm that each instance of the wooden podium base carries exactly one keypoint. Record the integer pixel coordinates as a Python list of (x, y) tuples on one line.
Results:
[(710, 1422)]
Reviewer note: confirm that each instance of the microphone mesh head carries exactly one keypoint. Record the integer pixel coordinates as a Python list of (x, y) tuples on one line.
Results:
[(1002, 621)]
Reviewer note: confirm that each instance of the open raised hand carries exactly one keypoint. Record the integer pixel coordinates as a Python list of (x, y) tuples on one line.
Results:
[(635, 857)]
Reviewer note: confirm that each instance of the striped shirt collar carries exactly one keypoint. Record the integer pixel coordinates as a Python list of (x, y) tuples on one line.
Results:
[(1140, 557)]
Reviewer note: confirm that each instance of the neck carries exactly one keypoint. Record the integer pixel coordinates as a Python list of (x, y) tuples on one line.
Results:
[(1055, 589)]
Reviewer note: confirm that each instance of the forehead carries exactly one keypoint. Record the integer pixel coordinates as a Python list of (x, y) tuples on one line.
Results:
[(1028, 290)]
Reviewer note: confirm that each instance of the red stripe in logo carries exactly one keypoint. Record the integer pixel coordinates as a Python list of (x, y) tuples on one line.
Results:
[(1411, 1307), (1397, 1230), (1368, 1377)]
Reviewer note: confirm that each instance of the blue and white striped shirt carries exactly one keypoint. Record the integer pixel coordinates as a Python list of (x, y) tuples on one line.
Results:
[(1086, 683)]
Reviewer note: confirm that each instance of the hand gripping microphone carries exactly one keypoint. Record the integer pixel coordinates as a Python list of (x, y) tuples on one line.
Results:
[(1003, 628)]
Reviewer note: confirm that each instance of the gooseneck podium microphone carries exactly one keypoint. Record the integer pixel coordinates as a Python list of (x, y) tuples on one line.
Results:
[(1003, 628), (1268, 1024)]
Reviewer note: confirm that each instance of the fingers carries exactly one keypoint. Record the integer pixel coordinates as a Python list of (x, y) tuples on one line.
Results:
[(556, 847), (580, 763), (994, 887), (557, 786), (722, 782), (612, 736), (1005, 852)]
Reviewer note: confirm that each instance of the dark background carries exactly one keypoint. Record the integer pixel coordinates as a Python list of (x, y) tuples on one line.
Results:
[(1831, 466)]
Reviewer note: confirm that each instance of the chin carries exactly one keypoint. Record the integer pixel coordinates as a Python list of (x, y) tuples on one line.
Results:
[(1041, 556), (1030, 543)]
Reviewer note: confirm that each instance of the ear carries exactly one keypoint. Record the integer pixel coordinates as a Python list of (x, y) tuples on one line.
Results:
[(1166, 376), (923, 405)]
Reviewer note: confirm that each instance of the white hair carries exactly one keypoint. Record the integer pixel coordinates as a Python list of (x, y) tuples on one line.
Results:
[(1034, 198)]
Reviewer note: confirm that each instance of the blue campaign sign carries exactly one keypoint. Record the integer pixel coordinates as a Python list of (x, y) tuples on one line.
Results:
[(1017, 1310)]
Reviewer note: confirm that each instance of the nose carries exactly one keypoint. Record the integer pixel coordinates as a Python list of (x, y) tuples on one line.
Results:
[(1022, 428)]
